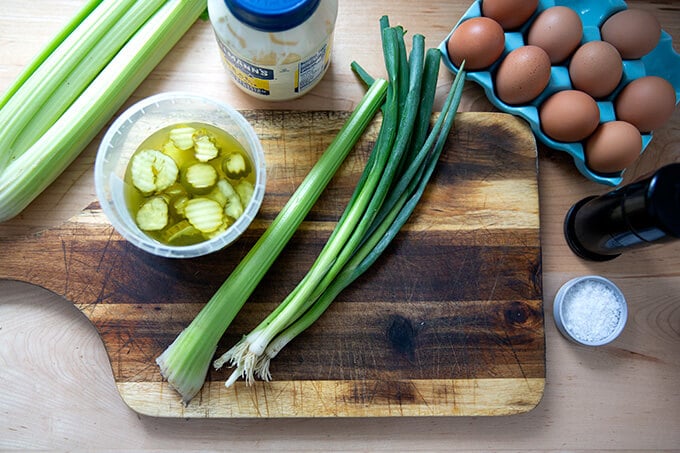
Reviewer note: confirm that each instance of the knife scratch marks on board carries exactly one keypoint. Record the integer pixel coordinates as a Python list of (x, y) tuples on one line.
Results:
[(107, 275), (67, 267), (492, 291), (100, 264), (423, 399), (336, 363), (104, 253), (401, 336), (318, 389), (514, 354)]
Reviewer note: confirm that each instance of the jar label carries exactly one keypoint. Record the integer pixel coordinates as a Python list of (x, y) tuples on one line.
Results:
[(282, 81), (313, 68)]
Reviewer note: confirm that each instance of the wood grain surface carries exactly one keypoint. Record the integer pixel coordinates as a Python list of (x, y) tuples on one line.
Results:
[(448, 322)]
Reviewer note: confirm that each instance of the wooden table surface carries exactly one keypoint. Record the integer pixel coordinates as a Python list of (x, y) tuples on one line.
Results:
[(58, 390)]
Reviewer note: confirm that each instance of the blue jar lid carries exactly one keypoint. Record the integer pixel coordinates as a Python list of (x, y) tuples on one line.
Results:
[(272, 15)]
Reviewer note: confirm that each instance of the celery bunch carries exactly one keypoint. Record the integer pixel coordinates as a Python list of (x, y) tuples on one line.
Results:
[(76, 84)]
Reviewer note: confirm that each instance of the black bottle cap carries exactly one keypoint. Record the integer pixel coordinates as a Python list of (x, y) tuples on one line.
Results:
[(572, 238)]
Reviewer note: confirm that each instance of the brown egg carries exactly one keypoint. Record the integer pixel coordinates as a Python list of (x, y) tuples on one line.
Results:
[(569, 116), (633, 32), (522, 75), (612, 147), (647, 103), (479, 41), (510, 14), (596, 68), (557, 30)]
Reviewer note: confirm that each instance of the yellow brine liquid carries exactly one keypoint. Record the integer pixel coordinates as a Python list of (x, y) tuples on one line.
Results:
[(187, 183)]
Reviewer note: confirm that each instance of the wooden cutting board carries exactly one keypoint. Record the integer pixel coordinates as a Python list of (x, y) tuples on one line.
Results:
[(449, 321)]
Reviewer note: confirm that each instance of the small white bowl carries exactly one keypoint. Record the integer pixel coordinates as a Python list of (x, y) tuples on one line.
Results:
[(590, 310), (136, 124)]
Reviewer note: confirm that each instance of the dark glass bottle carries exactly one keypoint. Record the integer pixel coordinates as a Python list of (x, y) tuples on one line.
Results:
[(642, 213)]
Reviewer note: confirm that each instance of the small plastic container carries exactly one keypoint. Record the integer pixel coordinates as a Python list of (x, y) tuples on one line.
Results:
[(135, 125), (590, 310), (275, 50)]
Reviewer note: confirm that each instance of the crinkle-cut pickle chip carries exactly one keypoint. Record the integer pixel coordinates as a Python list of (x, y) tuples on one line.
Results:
[(245, 191), (179, 204), (204, 214), (204, 147), (217, 195), (180, 230), (200, 178), (232, 206), (227, 189), (235, 166), (183, 137), (152, 171), (153, 214)]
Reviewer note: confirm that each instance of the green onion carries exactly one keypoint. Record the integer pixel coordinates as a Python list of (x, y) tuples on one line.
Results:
[(349, 229), (73, 88), (363, 75), (186, 361), (391, 185), (395, 215)]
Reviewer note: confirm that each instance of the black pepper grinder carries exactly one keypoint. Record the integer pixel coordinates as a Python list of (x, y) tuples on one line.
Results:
[(645, 212)]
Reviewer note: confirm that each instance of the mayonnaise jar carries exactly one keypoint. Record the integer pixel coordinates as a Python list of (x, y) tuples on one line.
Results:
[(275, 49)]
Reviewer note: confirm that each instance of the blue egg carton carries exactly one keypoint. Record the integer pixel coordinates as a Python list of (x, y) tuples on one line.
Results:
[(663, 61)]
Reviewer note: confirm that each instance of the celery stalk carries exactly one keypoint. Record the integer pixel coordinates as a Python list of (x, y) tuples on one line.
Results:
[(27, 176), (43, 110), (37, 91), (186, 361), (48, 50)]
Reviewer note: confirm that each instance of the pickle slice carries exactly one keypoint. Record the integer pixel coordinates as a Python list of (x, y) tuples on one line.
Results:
[(235, 166), (204, 147), (152, 171), (153, 214), (183, 137), (204, 214), (232, 207), (245, 191), (200, 178), (179, 231)]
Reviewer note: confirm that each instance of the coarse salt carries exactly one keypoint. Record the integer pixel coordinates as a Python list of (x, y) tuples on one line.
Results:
[(591, 311)]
